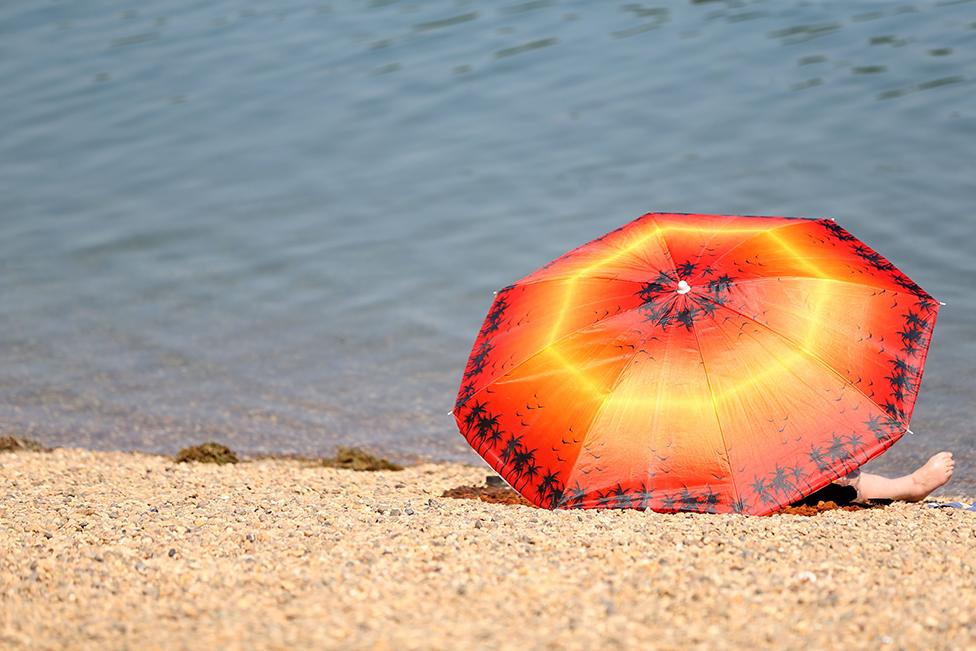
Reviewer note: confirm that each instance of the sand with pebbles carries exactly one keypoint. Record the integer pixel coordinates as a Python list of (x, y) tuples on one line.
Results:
[(118, 550)]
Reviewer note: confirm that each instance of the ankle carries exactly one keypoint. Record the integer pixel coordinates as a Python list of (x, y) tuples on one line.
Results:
[(920, 488)]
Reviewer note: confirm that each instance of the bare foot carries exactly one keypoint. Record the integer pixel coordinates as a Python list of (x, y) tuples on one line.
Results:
[(935, 473)]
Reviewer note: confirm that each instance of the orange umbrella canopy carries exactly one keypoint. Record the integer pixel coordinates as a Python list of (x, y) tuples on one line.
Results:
[(706, 363)]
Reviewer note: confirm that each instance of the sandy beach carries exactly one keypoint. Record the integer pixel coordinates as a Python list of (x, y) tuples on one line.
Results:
[(121, 550)]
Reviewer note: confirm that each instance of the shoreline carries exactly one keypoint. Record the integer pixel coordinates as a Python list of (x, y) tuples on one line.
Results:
[(120, 549)]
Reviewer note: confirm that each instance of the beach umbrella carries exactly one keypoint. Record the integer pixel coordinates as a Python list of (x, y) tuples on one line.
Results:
[(707, 363)]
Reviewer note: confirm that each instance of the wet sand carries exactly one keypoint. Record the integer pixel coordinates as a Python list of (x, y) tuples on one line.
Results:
[(119, 550)]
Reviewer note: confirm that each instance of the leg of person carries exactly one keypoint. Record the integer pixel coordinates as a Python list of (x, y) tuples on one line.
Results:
[(912, 488)]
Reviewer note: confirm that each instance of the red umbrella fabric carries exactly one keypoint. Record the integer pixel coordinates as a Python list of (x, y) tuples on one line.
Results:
[(707, 363)]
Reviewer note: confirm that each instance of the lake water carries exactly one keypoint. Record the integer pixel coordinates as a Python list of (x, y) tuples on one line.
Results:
[(279, 225)]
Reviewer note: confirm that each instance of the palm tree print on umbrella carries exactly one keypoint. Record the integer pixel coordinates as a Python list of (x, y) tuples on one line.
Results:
[(476, 411), (573, 497), (763, 491), (854, 443), (479, 360), (900, 386), (838, 452), (518, 463), (664, 306), (911, 339), (644, 496), (550, 488), (895, 412), (881, 429), (819, 458), (495, 317), (621, 499), (604, 500), (873, 258), (780, 483), (689, 501), (838, 231), (487, 431), (710, 501), (719, 288), (524, 467), (911, 287), (799, 474), (739, 505), (512, 447), (481, 428), (915, 320), (466, 392), (686, 316)]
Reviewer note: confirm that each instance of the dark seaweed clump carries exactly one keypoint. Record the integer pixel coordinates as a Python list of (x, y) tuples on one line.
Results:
[(491, 494), (207, 453), (357, 459), (17, 444), (819, 507)]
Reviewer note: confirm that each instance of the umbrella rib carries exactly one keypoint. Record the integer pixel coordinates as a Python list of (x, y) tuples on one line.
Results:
[(718, 421), (802, 348)]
